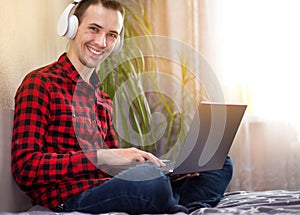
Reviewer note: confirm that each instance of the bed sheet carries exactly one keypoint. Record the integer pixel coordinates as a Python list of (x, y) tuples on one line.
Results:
[(239, 202)]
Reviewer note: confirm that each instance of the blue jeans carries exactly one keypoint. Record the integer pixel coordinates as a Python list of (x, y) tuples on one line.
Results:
[(145, 189)]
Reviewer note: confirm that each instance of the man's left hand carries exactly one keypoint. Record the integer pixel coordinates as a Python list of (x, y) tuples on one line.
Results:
[(175, 178)]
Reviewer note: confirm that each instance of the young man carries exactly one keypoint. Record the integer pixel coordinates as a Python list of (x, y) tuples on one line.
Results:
[(64, 141)]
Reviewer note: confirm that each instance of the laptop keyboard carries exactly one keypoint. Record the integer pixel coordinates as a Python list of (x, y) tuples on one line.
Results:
[(170, 165)]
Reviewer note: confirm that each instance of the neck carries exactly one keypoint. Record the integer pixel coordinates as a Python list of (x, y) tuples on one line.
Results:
[(84, 71)]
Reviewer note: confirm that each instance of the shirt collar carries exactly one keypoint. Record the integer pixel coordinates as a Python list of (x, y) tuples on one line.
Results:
[(71, 71)]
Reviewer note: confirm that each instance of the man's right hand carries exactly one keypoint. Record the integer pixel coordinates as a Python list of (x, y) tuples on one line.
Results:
[(126, 156)]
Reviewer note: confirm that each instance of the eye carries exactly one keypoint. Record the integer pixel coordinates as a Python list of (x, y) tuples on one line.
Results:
[(112, 36), (94, 29)]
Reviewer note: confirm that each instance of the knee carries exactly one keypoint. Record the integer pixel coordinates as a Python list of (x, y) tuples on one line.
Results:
[(157, 188), (142, 172), (157, 182), (162, 194)]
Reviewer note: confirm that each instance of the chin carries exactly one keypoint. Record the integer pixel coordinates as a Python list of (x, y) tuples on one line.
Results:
[(93, 63)]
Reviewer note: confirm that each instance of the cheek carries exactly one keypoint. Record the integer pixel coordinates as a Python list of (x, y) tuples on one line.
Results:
[(83, 37)]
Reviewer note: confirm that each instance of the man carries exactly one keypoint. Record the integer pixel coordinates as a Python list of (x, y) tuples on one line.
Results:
[(64, 143)]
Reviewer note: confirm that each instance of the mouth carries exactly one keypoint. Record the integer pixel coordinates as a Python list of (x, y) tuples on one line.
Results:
[(95, 51)]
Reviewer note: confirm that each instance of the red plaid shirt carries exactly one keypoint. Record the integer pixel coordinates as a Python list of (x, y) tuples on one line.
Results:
[(60, 121)]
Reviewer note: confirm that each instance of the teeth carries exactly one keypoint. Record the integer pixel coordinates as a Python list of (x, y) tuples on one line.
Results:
[(94, 51)]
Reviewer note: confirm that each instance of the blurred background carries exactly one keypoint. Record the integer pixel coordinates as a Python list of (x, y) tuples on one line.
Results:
[(252, 45)]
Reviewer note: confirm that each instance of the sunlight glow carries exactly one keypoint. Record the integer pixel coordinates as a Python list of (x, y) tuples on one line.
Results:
[(261, 51)]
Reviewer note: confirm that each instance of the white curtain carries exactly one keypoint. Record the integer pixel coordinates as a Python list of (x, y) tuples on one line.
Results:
[(253, 47), (259, 65)]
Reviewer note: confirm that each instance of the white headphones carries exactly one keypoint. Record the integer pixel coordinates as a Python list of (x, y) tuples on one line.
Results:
[(68, 24)]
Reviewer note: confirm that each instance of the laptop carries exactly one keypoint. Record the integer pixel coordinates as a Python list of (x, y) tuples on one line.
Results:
[(209, 138)]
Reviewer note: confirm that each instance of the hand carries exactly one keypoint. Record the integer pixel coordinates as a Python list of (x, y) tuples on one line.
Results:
[(127, 156), (175, 178)]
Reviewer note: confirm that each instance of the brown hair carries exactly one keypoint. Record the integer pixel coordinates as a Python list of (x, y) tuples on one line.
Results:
[(108, 4)]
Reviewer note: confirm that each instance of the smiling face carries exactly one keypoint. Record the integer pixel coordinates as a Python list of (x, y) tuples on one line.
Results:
[(96, 37)]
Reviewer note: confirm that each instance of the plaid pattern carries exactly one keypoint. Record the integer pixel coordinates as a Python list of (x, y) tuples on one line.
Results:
[(60, 121)]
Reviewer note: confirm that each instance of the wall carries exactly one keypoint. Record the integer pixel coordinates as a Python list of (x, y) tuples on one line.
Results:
[(28, 40), (28, 37)]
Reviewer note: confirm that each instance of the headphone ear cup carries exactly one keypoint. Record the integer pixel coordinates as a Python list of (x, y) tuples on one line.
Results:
[(119, 44), (64, 20), (72, 27)]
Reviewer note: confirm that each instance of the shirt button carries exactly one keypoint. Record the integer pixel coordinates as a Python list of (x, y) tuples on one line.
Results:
[(73, 115)]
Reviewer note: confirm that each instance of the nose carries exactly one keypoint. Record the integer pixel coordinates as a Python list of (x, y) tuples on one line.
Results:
[(101, 40)]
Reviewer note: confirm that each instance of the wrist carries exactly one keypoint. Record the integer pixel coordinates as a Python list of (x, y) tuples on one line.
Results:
[(101, 156)]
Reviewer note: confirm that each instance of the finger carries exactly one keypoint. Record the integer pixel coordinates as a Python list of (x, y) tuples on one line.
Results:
[(179, 178), (153, 159), (192, 174), (161, 163), (139, 158)]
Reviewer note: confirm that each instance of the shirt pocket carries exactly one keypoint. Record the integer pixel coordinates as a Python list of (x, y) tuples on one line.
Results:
[(85, 128)]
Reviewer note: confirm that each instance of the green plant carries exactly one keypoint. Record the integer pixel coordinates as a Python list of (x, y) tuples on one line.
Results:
[(114, 75)]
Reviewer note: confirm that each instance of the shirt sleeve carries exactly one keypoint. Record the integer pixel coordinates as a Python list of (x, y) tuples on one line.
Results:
[(30, 164)]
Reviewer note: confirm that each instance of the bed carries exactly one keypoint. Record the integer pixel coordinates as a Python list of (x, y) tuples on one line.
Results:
[(240, 202)]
